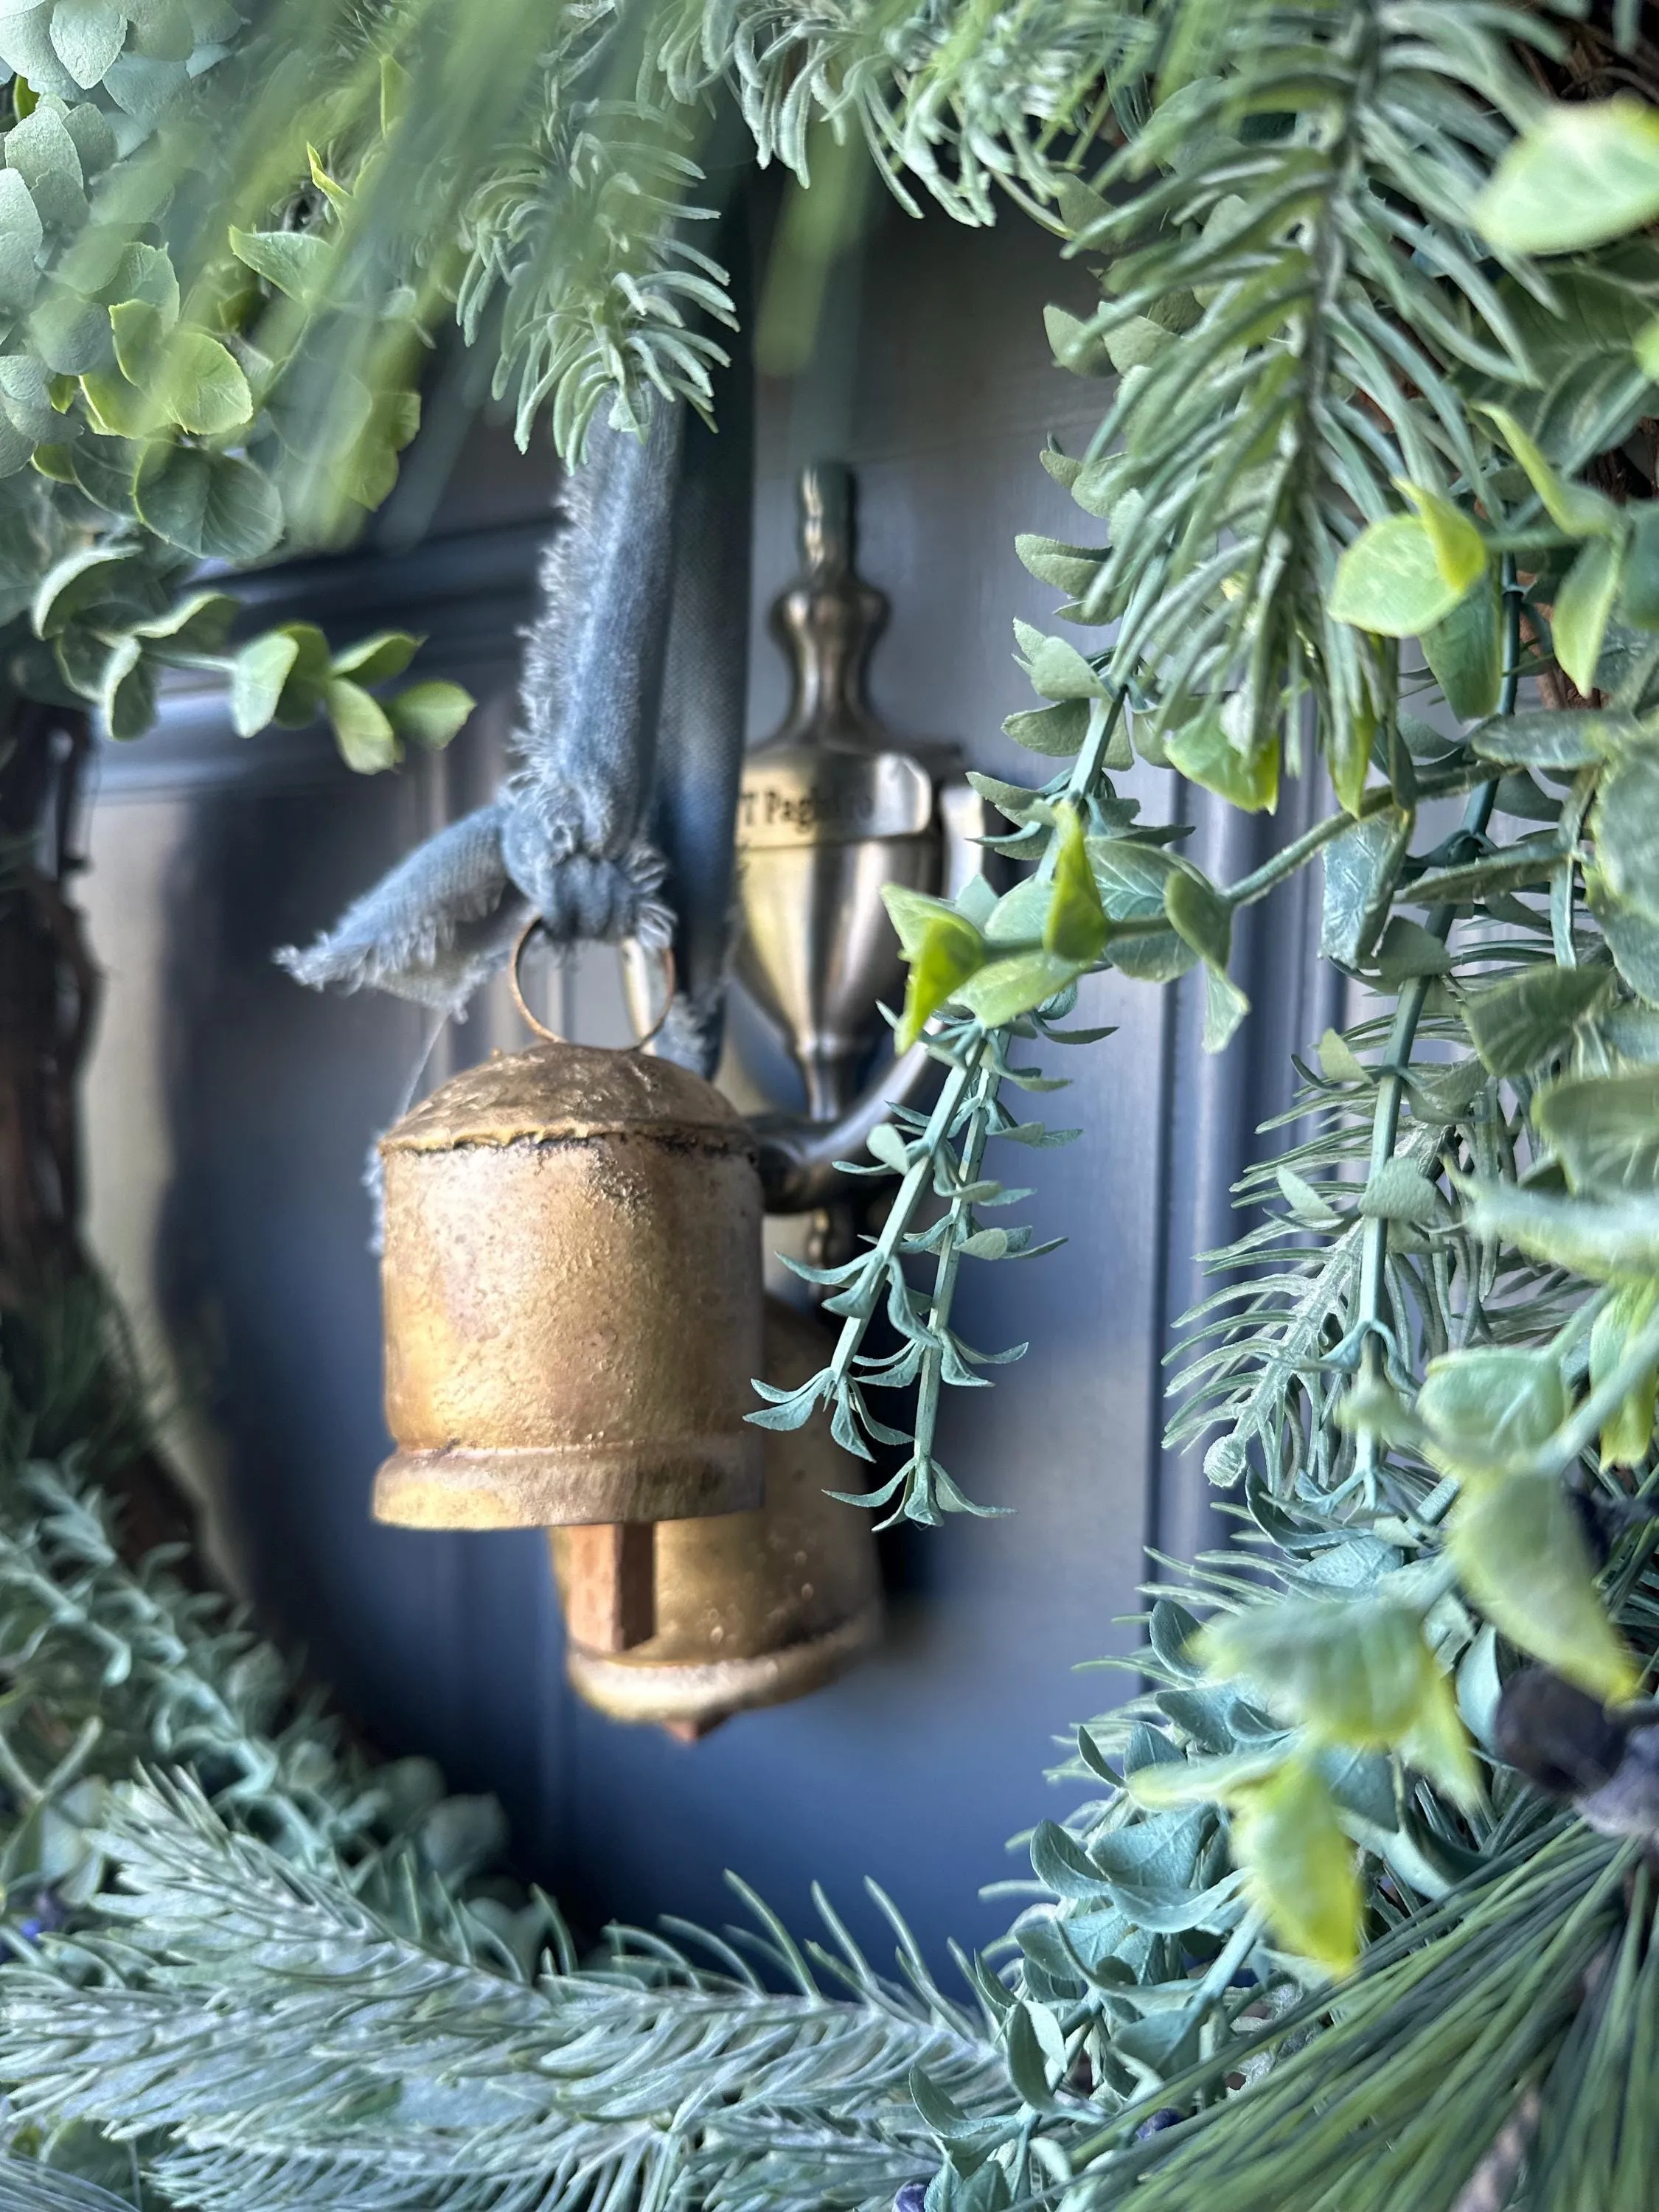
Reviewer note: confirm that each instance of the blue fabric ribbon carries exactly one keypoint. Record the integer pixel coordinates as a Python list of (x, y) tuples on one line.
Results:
[(616, 820)]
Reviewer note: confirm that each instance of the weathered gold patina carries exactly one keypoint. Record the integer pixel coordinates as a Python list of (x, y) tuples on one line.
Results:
[(755, 1608), (572, 1282)]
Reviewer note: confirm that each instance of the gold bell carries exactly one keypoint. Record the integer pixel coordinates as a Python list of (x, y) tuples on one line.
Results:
[(755, 1608), (572, 1281)]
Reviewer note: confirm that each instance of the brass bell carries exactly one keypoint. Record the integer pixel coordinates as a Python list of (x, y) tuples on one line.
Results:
[(754, 1608), (572, 1283)]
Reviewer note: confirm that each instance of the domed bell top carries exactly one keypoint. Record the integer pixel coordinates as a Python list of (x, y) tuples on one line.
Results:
[(572, 1280)]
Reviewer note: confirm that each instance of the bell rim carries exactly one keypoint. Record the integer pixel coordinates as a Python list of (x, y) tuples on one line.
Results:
[(711, 1690), (571, 1486)]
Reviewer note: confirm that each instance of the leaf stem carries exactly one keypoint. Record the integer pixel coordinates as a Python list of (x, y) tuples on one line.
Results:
[(1284, 864), (917, 1176), (1402, 1036), (944, 1279)]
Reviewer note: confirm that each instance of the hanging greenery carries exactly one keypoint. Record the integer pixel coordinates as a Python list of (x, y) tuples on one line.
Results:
[(1360, 1912)]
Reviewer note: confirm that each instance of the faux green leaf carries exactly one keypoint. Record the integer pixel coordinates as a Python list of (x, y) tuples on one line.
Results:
[(368, 469), (1224, 1007), (1397, 1191), (1605, 1243), (1299, 1867), (947, 951), (1638, 597), (198, 625), (1199, 916), (1337, 1061), (1004, 989), (1465, 651), (1069, 568), (1460, 552), (214, 505), (367, 740), (301, 695), (1626, 827), (1170, 1784), (1203, 752), (1349, 1673), (1586, 171), (1604, 1129), (139, 331), (1627, 1436), (78, 581), (1361, 867), (1526, 1020), (257, 676), (430, 713), (1438, 1744), (1389, 580), (127, 696), (1057, 731), (1075, 925), (295, 261), (1407, 950), (1520, 1557), (1568, 737), (373, 660), (1056, 668), (118, 408), (1491, 1410), (201, 387), (1575, 509), (1583, 608)]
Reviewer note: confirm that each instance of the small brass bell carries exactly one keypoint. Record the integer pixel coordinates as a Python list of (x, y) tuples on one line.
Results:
[(572, 1281), (754, 1608)]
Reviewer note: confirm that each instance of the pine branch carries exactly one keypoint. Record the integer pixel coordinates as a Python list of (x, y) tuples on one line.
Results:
[(269, 2021)]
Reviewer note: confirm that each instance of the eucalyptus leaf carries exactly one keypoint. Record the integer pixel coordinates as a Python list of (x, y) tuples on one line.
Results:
[(1605, 1131), (1003, 989), (1520, 1024), (1583, 608), (1299, 1866), (295, 261), (430, 714), (1205, 754), (1626, 825), (1522, 1559), (1075, 926), (1585, 172), (1563, 738), (1361, 868), (1389, 580), (1057, 730), (1056, 668), (1491, 1410), (362, 727), (214, 505), (1606, 1243), (1465, 650)]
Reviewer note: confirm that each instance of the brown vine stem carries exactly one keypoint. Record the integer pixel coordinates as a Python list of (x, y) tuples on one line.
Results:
[(1402, 1036)]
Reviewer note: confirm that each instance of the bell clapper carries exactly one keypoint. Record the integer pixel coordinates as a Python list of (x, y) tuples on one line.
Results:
[(610, 1601)]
